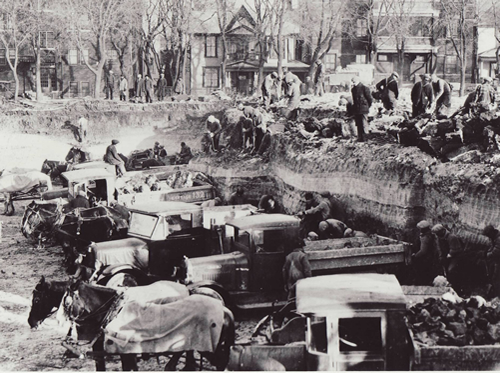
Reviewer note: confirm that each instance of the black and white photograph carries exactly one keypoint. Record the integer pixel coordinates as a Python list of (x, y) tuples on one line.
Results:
[(249, 185)]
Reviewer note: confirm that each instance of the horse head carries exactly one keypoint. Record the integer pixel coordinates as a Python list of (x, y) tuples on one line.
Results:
[(46, 296)]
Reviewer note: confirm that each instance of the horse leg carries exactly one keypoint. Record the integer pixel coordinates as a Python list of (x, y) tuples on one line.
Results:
[(129, 362), (172, 363), (100, 362), (190, 361)]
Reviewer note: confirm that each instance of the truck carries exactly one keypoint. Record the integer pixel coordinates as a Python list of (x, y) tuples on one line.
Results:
[(160, 234), (103, 185), (248, 273), (356, 322)]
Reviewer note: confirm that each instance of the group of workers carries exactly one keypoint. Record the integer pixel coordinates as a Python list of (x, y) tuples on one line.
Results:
[(441, 252), (144, 87)]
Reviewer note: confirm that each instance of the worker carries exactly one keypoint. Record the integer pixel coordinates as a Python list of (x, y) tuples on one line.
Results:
[(353, 233), (331, 228), (268, 205), (238, 197), (140, 89), (80, 201), (212, 202), (109, 85), (426, 96), (156, 150), (161, 87), (148, 87), (247, 130), (293, 97), (362, 100), (185, 155), (442, 95), (493, 259), (485, 95), (337, 210), (319, 77), (296, 267), (416, 95), (389, 91), (123, 87), (269, 88), (112, 157), (450, 252), (83, 124), (424, 261), (214, 130), (317, 210)]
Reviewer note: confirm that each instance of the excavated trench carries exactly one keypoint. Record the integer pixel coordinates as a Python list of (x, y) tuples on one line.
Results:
[(385, 188)]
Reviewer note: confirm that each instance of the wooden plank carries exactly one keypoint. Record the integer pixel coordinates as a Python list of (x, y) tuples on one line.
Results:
[(357, 261), (353, 252), (341, 243)]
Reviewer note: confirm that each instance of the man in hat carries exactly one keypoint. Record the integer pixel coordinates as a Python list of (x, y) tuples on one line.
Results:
[(450, 251), (112, 157), (362, 100), (296, 267), (425, 259), (442, 95), (485, 95), (123, 88), (416, 95), (148, 87), (331, 228), (426, 95), (389, 91), (110, 85), (185, 154), (161, 87), (156, 150), (80, 201), (83, 124), (238, 197), (214, 130), (319, 77), (140, 87), (493, 259)]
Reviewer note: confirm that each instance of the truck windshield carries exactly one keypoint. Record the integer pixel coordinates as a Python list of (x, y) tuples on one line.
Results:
[(142, 225), (360, 334), (179, 222)]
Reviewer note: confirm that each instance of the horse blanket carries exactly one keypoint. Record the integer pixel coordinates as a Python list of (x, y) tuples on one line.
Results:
[(160, 292), (11, 183), (131, 251), (192, 323)]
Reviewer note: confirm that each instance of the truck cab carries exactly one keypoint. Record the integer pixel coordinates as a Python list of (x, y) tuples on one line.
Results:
[(250, 269)]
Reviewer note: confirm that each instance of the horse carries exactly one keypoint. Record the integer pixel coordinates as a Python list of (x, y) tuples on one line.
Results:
[(91, 308), (39, 220), (54, 169), (47, 295)]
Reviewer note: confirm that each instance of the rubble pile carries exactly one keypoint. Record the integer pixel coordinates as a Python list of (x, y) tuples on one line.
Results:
[(452, 321)]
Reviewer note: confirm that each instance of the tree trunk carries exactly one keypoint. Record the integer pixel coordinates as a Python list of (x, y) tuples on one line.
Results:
[(224, 62), (462, 79), (98, 78), (16, 79), (38, 79)]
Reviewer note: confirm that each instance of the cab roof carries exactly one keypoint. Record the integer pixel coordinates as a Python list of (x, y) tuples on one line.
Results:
[(87, 174), (165, 207), (265, 221), (347, 293)]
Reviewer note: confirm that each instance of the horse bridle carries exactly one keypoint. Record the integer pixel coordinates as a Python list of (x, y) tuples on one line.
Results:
[(43, 296)]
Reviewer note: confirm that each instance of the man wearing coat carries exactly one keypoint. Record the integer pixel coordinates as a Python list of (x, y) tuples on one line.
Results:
[(362, 100), (110, 85), (296, 267), (139, 87), (123, 88), (112, 157), (389, 91), (161, 87), (148, 87), (493, 259)]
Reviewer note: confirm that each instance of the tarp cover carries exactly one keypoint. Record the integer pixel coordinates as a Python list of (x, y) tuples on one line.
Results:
[(23, 182), (131, 251), (160, 292), (193, 323)]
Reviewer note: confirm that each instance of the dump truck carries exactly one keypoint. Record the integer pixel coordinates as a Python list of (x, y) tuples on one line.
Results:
[(356, 322), (103, 185), (249, 271)]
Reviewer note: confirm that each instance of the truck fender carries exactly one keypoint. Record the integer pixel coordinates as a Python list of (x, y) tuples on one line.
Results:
[(228, 301), (241, 358)]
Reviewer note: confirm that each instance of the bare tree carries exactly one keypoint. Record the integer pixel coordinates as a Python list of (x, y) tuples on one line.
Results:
[(261, 30), (456, 17), (489, 14), (91, 23), (279, 8), (15, 31), (225, 13), (320, 23)]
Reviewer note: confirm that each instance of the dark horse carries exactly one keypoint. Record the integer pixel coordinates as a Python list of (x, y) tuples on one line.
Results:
[(93, 307), (47, 295), (39, 220)]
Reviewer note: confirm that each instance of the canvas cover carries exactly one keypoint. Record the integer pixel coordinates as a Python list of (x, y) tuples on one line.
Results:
[(131, 251), (192, 323), (11, 183)]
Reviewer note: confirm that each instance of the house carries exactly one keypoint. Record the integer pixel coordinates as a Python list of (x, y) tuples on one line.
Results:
[(419, 26), (243, 55)]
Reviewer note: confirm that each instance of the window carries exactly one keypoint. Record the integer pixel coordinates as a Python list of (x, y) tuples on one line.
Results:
[(361, 27), (73, 88), (330, 61), (361, 334), (73, 57), (382, 57), (450, 64), (211, 46), (46, 39), (3, 60), (319, 340), (111, 54), (48, 58), (142, 224), (84, 56), (85, 88), (48, 78), (360, 58), (211, 77)]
